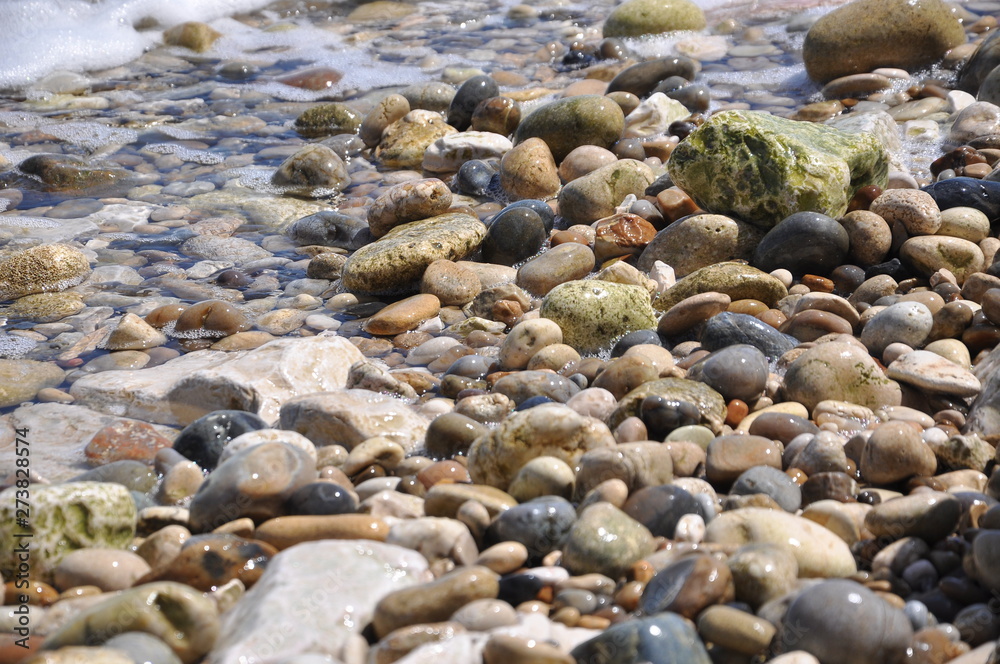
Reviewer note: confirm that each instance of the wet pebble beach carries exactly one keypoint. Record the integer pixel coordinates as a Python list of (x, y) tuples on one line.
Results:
[(472, 331)]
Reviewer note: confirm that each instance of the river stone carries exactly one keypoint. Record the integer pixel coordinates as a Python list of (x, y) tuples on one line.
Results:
[(930, 372), (569, 123), (596, 194), (65, 518), (842, 621), (396, 261), (847, 40), (47, 267), (313, 166), (349, 416), (931, 516), (560, 264), (927, 254), (404, 142), (183, 618), (449, 153), (408, 201), (771, 482), (642, 78), (665, 638), (739, 282), (528, 171), (592, 314), (842, 372), (547, 430), (605, 540), (315, 597), (805, 242), (660, 508), (895, 452), (330, 228), (727, 329), (539, 524), (904, 322), (818, 552), (762, 572), (699, 241), (737, 371), (328, 120), (20, 380), (710, 404), (636, 18), (761, 168), (514, 236), (471, 93), (639, 465)]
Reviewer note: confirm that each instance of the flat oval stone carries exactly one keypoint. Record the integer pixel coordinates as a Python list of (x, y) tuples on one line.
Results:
[(983, 195), (445, 499), (572, 122), (735, 630), (728, 329), (931, 516), (729, 456), (966, 223), (842, 621), (434, 601), (699, 241), (408, 201), (929, 253), (842, 372), (284, 532), (691, 312), (596, 195), (206, 562), (397, 261), (739, 282), (818, 552), (640, 79), (903, 322), (560, 264), (930, 372), (108, 569)]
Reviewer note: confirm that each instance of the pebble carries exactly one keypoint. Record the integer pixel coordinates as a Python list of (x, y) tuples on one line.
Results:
[(406, 202), (514, 236), (895, 451), (528, 171), (605, 540), (785, 246), (929, 516)]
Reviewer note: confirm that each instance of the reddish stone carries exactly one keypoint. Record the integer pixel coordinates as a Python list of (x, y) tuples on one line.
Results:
[(317, 78), (125, 439)]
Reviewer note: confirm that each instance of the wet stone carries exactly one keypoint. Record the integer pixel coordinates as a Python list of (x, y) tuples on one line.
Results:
[(660, 508), (540, 524), (805, 242), (589, 548), (736, 372), (688, 586), (202, 441), (728, 329)]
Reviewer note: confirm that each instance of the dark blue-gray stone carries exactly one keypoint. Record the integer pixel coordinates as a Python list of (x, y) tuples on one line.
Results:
[(662, 415), (322, 498), (805, 242), (736, 372), (984, 195), (769, 481), (330, 228), (523, 385), (202, 440), (473, 178), (532, 402), (472, 93), (662, 639), (637, 338), (539, 524), (642, 79), (541, 208), (729, 329), (659, 508), (514, 236), (470, 366), (695, 97)]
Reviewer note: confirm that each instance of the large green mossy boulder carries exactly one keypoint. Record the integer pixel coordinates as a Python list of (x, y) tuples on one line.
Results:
[(62, 518), (760, 168), (635, 18)]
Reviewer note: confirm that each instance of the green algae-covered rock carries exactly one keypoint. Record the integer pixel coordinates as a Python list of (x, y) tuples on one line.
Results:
[(596, 194), (182, 617), (710, 403), (738, 281), (328, 120), (852, 39), (63, 518), (760, 168), (592, 313), (635, 18), (44, 307), (572, 122), (396, 261)]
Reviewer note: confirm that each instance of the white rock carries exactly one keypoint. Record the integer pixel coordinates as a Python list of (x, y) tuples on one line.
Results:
[(312, 598), (933, 373), (261, 436), (447, 153), (653, 116), (260, 380)]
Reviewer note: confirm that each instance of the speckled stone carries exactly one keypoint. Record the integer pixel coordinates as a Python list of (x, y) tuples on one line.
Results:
[(916, 210), (870, 237), (404, 142), (699, 241), (64, 518), (546, 430), (739, 282), (636, 18), (929, 253), (710, 405), (841, 372), (408, 201), (605, 540), (313, 166), (47, 267), (596, 194), (592, 314), (526, 339)]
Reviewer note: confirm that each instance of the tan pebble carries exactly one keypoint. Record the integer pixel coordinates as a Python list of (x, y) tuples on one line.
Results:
[(391, 108), (242, 527), (584, 159), (163, 546), (451, 283), (445, 500), (38, 593), (736, 630), (504, 557), (964, 222), (210, 318), (692, 311), (404, 315), (286, 531), (525, 339), (499, 115), (406, 202), (529, 171), (108, 569), (180, 482), (566, 262), (507, 649), (244, 340), (914, 208), (54, 395)]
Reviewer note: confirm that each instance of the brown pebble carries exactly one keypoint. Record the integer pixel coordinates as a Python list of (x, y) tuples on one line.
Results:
[(285, 531), (675, 204), (37, 593), (211, 318), (404, 315)]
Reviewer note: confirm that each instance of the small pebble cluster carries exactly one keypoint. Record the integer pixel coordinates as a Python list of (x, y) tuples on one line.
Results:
[(614, 347)]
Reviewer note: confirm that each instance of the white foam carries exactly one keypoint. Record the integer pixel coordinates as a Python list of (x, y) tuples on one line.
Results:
[(42, 36), (186, 154), (91, 135)]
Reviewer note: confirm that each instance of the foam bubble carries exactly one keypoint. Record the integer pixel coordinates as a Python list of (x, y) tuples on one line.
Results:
[(187, 154), (91, 135), (27, 222), (259, 179), (12, 347)]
